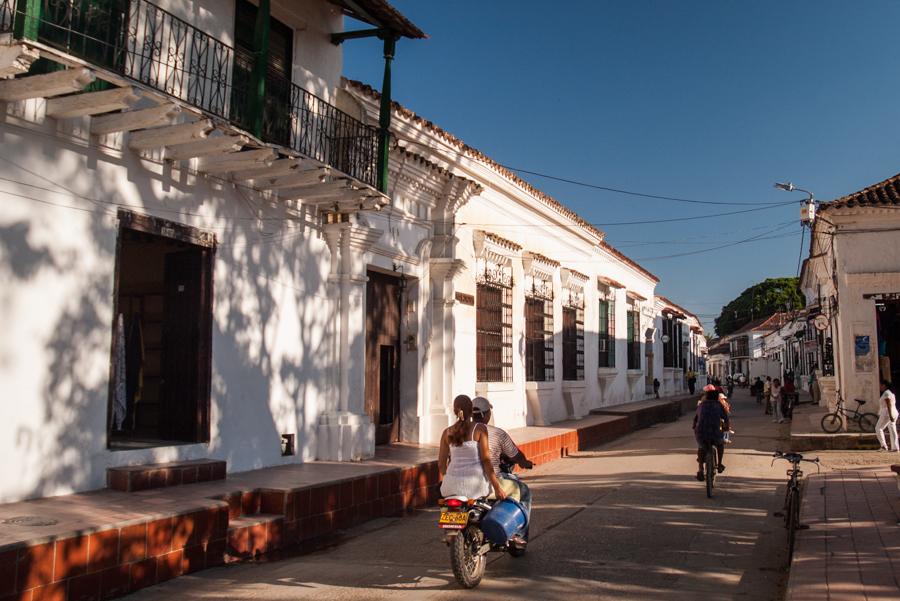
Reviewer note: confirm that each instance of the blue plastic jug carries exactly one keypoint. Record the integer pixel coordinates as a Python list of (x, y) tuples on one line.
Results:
[(505, 519)]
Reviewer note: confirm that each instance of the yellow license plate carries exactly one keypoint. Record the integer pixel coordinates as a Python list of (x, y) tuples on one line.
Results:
[(453, 520)]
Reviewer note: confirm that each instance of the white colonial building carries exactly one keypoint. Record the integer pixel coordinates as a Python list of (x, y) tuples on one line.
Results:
[(851, 280), (211, 251)]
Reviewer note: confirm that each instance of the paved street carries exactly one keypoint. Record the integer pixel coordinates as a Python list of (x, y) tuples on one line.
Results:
[(627, 521)]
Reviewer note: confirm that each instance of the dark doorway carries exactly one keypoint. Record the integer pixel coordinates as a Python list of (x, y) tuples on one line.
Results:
[(161, 359), (383, 355), (888, 317)]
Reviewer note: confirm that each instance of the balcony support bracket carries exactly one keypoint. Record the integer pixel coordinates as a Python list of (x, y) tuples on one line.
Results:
[(338, 38)]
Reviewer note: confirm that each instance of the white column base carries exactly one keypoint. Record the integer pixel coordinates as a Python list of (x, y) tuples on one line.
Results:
[(345, 437)]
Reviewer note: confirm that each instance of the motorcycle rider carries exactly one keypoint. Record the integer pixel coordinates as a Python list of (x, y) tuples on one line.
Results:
[(711, 421), (499, 443)]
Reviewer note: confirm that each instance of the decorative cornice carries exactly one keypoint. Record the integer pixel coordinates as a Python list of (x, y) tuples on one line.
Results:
[(539, 258), (571, 279), (503, 242), (611, 283), (467, 150)]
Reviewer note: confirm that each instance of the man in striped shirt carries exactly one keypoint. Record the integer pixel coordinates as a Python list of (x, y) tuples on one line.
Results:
[(500, 443), (498, 440)]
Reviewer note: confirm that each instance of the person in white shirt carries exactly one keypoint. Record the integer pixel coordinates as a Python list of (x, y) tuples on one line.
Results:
[(775, 392), (887, 418)]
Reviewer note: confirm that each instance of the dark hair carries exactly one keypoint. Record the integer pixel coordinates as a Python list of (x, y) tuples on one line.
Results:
[(885, 383), (712, 395), (462, 408)]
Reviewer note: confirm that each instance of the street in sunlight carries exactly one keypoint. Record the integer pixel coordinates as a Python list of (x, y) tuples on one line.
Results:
[(405, 299)]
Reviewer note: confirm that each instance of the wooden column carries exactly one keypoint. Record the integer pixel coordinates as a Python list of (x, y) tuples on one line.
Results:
[(384, 118), (257, 91)]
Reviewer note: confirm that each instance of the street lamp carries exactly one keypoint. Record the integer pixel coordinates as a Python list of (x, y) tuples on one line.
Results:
[(808, 210)]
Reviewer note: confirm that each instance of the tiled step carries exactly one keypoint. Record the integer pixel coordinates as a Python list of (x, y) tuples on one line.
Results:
[(132, 478), (253, 535)]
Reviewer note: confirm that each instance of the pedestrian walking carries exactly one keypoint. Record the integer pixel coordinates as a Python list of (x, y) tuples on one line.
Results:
[(691, 380), (758, 390), (656, 387), (887, 418), (767, 392), (775, 391)]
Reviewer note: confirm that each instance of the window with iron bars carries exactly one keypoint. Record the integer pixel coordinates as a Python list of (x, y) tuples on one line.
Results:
[(634, 340), (573, 341), (668, 342), (493, 325), (539, 338), (607, 333)]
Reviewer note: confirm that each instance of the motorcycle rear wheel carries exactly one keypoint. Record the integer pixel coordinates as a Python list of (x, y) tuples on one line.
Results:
[(519, 551), (468, 566)]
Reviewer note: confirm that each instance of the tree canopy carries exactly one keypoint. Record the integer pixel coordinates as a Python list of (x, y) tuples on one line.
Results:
[(757, 301)]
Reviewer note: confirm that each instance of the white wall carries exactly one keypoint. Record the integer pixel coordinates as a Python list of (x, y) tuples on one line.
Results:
[(58, 228), (867, 263)]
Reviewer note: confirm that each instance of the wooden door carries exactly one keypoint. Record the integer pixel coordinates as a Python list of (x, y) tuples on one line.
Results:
[(383, 355)]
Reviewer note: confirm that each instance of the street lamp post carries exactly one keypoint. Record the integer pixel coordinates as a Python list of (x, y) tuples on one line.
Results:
[(808, 211)]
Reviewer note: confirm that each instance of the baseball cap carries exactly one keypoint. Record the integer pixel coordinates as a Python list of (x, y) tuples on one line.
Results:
[(709, 388), (480, 405)]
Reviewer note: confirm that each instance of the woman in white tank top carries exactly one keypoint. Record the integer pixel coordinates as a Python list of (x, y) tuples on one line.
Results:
[(464, 461)]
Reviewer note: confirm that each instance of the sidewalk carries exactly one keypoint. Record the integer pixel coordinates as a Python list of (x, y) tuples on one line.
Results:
[(807, 433), (852, 547), (104, 544)]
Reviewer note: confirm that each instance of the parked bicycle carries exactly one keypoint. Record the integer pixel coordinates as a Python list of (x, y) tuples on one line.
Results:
[(834, 421), (791, 510)]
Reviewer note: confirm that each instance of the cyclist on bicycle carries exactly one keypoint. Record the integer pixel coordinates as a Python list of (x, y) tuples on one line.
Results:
[(711, 421)]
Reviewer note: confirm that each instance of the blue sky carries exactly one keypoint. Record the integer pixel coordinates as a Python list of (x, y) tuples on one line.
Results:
[(712, 100)]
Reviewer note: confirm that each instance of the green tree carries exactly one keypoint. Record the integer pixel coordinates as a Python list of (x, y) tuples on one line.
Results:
[(760, 300)]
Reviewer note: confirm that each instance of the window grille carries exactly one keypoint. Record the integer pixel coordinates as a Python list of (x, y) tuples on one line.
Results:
[(573, 340), (607, 333), (668, 342), (634, 340), (493, 324), (539, 335)]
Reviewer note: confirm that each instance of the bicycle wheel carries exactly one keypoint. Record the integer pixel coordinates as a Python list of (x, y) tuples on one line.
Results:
[(832, 422), (867, 422), (792, 520), (711, 466)]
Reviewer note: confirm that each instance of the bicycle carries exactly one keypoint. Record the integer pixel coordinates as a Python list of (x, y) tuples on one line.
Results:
[(710, 466), (834, 421), (791, 509)]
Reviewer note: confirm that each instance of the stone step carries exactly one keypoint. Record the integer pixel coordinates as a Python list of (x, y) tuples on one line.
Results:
[(132, 478), (252, 536)]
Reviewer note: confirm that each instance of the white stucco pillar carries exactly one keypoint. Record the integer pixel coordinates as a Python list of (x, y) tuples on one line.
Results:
[(438, 413), (345, 432)]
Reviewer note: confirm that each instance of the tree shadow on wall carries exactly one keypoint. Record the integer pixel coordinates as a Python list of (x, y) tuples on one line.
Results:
[(270, 326)]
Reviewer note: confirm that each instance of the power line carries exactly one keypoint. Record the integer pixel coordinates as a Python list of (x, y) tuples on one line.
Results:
[(693, 239), (633, 193), (756, 238), (465, 153), (640, 222)]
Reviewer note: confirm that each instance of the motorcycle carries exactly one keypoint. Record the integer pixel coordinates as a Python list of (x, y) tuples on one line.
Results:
[(471, 532)]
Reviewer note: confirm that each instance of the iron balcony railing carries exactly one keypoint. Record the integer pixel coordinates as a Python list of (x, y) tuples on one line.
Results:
[(146, 44)]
